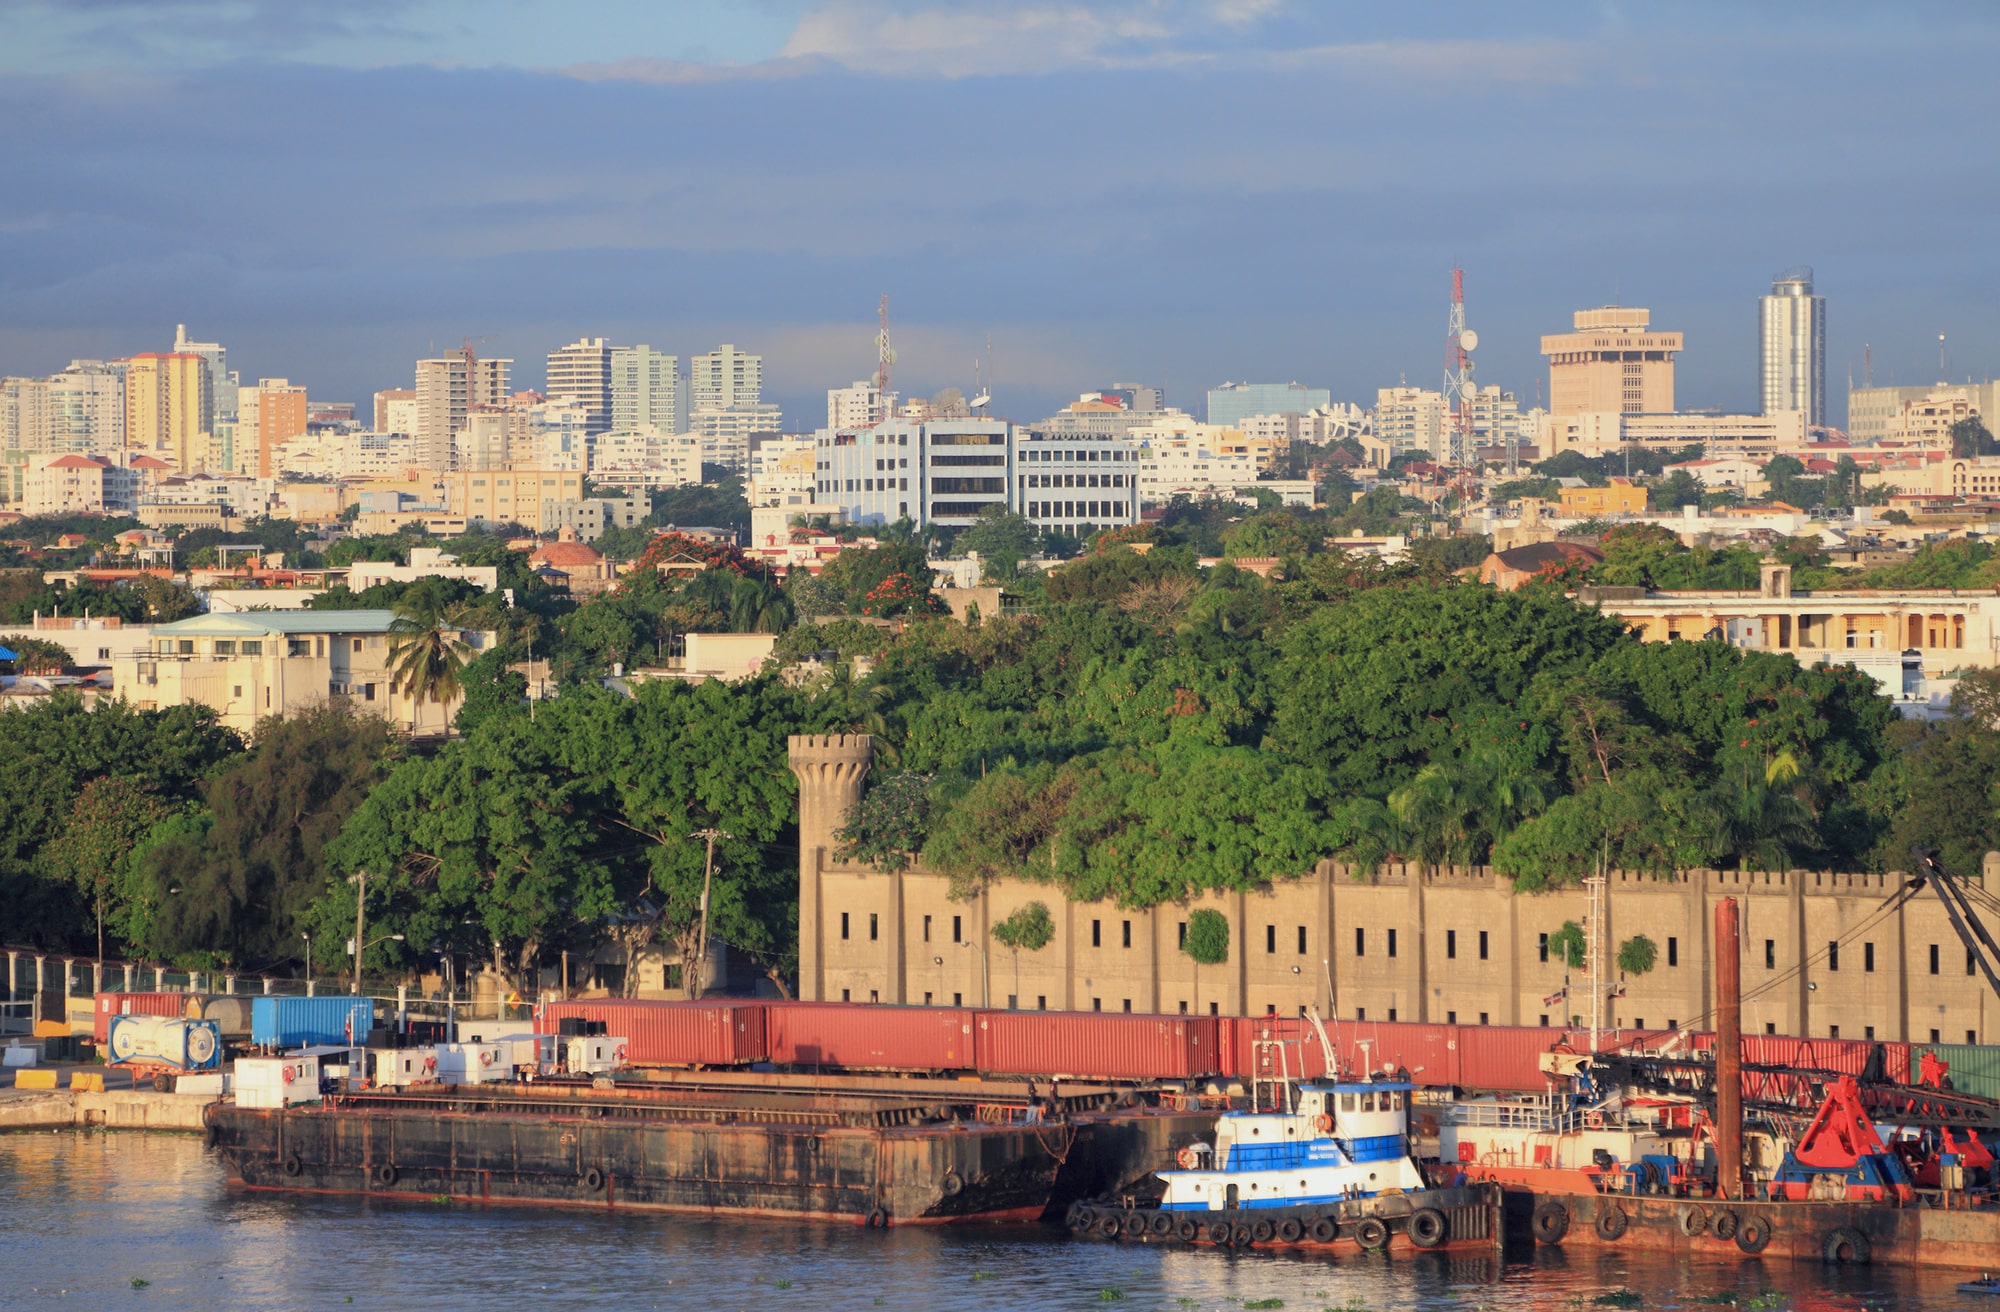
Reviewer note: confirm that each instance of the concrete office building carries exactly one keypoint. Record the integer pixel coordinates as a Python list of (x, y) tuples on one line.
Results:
[(944, 471), (723, 378), (728, 433), (396, 410), (489, 498), (857, 405), (1895, 414), (1612, 361), (1791, 344), (168, 408), (1232, 403), (267, 416), (1074, 484), (645, 390), (1453, 946), (581, 372), (446, 386)]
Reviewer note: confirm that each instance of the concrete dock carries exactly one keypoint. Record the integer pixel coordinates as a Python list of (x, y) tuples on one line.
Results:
[(114, 1109)]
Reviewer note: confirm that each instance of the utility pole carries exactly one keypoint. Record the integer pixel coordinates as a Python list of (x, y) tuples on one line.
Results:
[(694, 984), (360, 912)]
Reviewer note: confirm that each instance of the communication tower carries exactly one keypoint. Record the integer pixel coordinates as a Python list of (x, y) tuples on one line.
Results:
[(885, 354), (1459, 388)]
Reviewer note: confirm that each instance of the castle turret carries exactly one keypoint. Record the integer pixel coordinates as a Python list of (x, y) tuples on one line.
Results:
[(830, 768)]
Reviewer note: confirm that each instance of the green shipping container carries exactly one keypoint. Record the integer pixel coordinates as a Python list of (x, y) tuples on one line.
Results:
[(1973, 1069)]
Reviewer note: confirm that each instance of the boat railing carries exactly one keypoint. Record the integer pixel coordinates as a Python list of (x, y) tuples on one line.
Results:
[(1537, 1117)]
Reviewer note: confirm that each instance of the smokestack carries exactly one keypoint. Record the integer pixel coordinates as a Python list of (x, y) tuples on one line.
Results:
[(1728, 1050)]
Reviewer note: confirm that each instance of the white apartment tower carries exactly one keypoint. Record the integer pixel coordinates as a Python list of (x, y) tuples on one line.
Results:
[(1792, 346), (645, 390), (855, 406), (724, 378), (221, 383), (445, 388), (581, 372)]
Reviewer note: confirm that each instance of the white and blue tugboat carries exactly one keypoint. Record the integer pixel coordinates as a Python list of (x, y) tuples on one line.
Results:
[(1315, 1162)]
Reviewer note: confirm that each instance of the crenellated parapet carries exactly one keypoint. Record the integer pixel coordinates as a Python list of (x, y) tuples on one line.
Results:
[(830, 768)]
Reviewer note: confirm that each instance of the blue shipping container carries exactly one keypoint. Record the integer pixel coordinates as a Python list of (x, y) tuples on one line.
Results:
[(303, 1022)]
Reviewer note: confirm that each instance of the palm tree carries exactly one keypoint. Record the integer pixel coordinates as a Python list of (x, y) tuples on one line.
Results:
[(426, 656), (1766, 821)]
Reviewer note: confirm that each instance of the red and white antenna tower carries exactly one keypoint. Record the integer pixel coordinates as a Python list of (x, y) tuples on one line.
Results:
[(885, 355), (1459, 389)]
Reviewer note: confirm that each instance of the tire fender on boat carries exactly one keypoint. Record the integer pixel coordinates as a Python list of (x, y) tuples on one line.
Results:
[(1611, 1221), (1845, 1246), (1325, 1230), (1550, 1222), (1371, 1234), (1428, 1228), (1218, 1232), (1693, 1220), (1724, 1223), (1753, 1233), (1290, 1230), (953, 1184), (1187, 1230), (592, 1179)]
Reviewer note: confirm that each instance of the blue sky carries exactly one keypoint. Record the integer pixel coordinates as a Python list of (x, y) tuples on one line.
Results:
[(1152, 190)]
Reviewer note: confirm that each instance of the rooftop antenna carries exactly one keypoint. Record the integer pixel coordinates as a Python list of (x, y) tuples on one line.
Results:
[(1941, 373), (885, 354), (1459, 389), (1867, 365)]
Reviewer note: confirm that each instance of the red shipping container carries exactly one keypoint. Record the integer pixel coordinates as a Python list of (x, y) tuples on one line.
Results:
[(1507, 1058), (1093, 1045), (1426, 1053), (1248, 1053), (719, 1033), (135, 1004), (858, 1036), (1847, 1056)]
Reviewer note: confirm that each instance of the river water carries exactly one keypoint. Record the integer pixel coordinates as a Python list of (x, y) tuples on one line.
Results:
[(86, 1217)]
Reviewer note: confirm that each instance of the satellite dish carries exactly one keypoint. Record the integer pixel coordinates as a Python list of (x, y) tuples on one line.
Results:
[(1468, 340), (981, 401)]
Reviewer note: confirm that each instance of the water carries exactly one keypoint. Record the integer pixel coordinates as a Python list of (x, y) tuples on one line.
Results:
[(82, 1216)]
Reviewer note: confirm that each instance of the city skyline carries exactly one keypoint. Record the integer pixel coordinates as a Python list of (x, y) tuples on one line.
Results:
[(1182, 194)]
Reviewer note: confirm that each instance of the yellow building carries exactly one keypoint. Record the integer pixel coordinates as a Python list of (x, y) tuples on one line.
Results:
[(509, 496), (1623, 497), (1611, 363), (168, 408)]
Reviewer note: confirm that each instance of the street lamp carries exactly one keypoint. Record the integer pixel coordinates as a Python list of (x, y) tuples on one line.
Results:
[(939, 963), (380, 938), (985, 994), (360, 881), (309, 963)]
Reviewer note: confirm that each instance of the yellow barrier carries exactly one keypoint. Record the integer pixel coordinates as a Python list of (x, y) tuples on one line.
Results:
[(34, 1079), (51, 1029), (87, 1081)]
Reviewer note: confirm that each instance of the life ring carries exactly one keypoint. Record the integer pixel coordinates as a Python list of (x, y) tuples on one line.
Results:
[(1187, 1230), (953, 1184), (290, 1074), (1325, 1230), (593, 1179), (385, 1175), (1427, 1227), (292, 1166), (1290, 1230), (1723, 1224), (1753, 1234), (1371, 1234), (1324, 1122), (1188, 1158), (1693, 1220), (485, 1057), (1550, 1222), (430, 1065), (1262, 1231), (1612, 1221), (1218, 1232), (1845, 1246)]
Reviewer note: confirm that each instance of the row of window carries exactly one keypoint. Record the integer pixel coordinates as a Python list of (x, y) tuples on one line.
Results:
[(1072, 480), (1093, 511)]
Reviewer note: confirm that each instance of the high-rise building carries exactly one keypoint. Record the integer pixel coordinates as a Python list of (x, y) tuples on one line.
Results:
[(81, 409), (394, 406), (1791, 344), (1232, 403), (724, 378), (645, 390), (446, 386), (728, 433), (222, 384), (483, 442), (1411, 420), (857, 405), (581, 372), (1612, 362), (267, 415), (168, 408)]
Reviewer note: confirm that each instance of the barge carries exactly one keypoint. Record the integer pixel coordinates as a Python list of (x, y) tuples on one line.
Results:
[(921, 1156)]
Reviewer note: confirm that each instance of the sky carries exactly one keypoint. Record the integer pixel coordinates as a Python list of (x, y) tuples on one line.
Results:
[(1174, 192)]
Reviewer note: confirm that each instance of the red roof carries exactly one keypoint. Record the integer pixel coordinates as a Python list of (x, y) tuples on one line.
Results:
[(76, 462)]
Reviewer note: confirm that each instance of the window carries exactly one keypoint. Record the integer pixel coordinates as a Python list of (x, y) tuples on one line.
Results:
[(874, 995), (1673, 952), (874, 927), (927, 997), (1012, 1002), (1392, 946), (1545, 1020), (1097, 933), (1361, 1013), (1126, 931), (1868, 1032), (1833, 1031), (1213, 1009), (225, 646), (1867, 958), (957, 929), (1451, 944), (357, 644), (1833, 955), (844, 997), (1128, 1006), (927, 929), (1482, 1018), (1968, 961), (843, 924), (1934, 1036), (236, 691), (1302, 940), (1360, 942), (1543, 947), (1181, 932), (1934, 967), (1451, 1018), (1770, 1027), (1097, 1004), (957, 999), (1482, 947), (1638, 1022), (1392, 1015), (1041, 1002), (1270, 940), (1770, 954)]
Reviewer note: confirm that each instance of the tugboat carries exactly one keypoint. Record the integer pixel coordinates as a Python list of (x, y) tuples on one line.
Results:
[(1320, 1162)]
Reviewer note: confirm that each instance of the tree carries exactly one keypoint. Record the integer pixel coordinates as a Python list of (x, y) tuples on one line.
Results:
[(1970, 437), (1003, 540), (1677, 489), (890, 823), (106, 823), (1207, 942), (1567, 946), (427, 655), (1029, 927), (1636, 955), (38, 656)]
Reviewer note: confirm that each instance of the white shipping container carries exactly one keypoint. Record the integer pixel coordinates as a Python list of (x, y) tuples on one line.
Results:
[(209, 1084), (595, 1054), (276, 1082), (472, 1063), (401, 1067), (535, 1052)]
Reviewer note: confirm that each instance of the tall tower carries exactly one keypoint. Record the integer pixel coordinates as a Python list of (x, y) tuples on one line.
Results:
[(1792, 346), (581, 372), (830, 768), (1459, 389), (885, 354)]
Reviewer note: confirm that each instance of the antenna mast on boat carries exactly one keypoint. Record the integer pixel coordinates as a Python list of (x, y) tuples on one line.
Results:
[(1325, 1044)]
